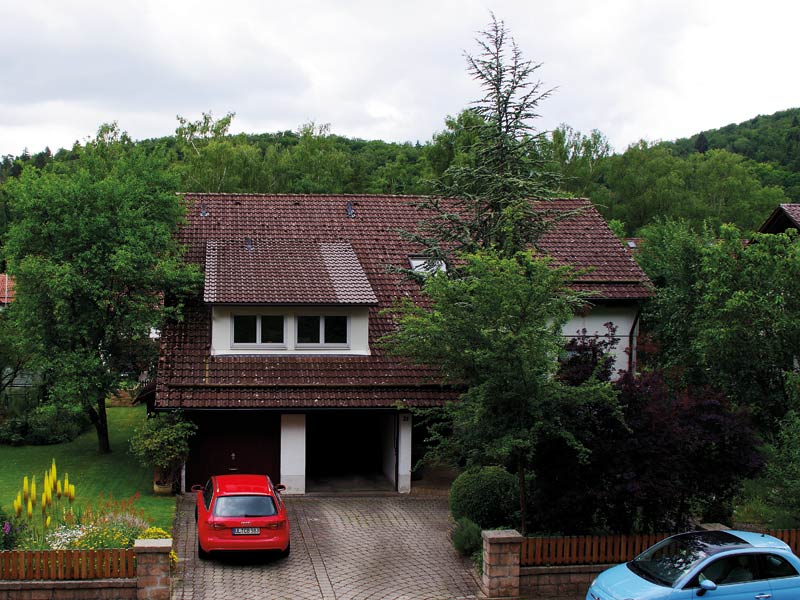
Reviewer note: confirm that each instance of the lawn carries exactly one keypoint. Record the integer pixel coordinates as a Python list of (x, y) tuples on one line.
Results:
[(116, 474)]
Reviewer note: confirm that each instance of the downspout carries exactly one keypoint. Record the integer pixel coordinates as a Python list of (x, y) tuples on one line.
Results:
[(632, 342)]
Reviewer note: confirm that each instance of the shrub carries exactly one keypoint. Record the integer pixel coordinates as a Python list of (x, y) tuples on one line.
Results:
[(48, 423), (467, 537), (487, 496), (162, 442), (154, 533)]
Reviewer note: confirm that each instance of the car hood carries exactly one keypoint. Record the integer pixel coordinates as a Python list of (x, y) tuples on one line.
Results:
[(620, 583)]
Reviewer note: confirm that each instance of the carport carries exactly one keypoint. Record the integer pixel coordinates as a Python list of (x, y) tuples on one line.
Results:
[(352, 450)]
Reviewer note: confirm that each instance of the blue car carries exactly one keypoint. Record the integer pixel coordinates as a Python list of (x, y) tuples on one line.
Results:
[(735, 565)]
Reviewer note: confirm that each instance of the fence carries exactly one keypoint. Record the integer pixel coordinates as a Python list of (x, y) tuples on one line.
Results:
[(67, 564), (605, 549)]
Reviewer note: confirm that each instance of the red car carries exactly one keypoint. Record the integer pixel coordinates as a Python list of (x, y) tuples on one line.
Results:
[(241, 512)]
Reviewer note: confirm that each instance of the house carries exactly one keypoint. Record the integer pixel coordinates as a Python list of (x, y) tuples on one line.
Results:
[(785, 216), (6, 290), (278, 362)]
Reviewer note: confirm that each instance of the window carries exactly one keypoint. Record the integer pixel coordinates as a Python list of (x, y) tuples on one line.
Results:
[(329, 330), (258, 329), (776, 567), (425, 264)]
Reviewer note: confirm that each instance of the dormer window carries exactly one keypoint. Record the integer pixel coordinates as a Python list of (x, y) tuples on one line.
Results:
[(258, 330), (328, 330), (426, 264)]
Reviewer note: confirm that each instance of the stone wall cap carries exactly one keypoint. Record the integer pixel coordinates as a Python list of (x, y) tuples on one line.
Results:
[(502, 535), (161, 545)]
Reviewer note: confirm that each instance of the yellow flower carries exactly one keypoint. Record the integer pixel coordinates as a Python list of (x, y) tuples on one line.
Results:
[(30, 508), (71, 492), (47, 522), (44, 502), (25, 489), (58, 489), (53, 471), (66, 481), (33, 490)]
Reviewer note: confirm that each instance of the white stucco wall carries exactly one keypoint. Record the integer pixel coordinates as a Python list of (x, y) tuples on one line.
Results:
[(293, 453), (222, 334), (624, 317)]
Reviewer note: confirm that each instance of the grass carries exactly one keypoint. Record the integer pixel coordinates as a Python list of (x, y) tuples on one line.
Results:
[(116, 474)]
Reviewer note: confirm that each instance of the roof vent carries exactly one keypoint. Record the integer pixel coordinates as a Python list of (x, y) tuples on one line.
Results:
[(248, 244), (350, 210), (204, 211)]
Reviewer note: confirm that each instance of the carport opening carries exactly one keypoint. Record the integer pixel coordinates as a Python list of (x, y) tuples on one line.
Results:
[(350, 451)]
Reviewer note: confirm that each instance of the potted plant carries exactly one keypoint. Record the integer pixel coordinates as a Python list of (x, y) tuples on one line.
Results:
[(162, 443)]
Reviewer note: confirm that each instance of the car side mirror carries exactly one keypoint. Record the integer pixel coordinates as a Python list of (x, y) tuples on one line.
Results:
[(280, 488), (197, 488), (706, 586)]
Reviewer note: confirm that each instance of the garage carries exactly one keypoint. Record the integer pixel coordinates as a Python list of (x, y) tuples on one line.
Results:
[(234, 442), (351, 450)]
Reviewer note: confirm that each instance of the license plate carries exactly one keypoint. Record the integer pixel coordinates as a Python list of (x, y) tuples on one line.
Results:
[(246, 530)]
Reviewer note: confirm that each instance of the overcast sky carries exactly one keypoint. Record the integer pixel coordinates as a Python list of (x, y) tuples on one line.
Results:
[(389, 70)]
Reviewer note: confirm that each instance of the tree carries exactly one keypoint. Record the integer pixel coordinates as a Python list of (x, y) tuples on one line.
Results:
[(490, 196), (93, 253), (497, 331), (701, 143), (726, 313), (749, 315)]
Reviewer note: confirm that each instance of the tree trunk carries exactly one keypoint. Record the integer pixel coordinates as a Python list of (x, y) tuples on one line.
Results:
[(99, 419), (523, 502)]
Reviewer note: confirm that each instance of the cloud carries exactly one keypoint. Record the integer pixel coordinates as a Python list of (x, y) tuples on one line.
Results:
[(382, 69)]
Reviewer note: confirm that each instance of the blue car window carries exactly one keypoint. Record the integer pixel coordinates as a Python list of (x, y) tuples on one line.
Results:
[(775, 567)]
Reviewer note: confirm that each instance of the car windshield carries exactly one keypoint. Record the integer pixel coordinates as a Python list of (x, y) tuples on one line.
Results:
[(668, 561), (244, 506)]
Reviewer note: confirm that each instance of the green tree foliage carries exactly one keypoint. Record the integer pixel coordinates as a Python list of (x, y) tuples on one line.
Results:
[(495, 178), (496, 331), (578, 157), (749, 316), (726, 313), (92, 250), (647, 182)]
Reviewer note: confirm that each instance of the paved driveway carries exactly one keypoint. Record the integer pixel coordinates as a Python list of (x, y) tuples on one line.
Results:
[(342, 548)]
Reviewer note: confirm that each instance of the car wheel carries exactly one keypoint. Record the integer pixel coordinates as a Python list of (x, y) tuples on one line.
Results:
[(201, 554), (285, 553)]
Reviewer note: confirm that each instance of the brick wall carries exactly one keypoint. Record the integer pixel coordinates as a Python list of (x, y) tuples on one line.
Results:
[(558, 583)]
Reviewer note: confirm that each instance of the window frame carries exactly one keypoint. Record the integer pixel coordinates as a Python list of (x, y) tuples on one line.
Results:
[(258, 344)]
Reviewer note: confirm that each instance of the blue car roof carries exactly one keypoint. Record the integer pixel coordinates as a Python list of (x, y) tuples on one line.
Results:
[(760, 540)]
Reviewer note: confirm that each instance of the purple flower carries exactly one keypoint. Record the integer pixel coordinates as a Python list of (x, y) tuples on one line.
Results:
[(6, 527)]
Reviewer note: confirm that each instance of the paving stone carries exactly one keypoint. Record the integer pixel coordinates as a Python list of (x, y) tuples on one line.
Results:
[(343, 548)]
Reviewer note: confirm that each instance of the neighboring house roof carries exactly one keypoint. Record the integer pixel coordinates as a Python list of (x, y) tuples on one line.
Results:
[(6, 289), (348, 256), (785, 216)]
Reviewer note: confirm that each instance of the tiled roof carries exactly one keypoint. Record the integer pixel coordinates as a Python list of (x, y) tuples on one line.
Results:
[(265, 272), (189, 376), (6, 289), (785, 216)]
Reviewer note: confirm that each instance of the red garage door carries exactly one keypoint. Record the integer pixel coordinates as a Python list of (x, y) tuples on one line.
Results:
[(234, 442)]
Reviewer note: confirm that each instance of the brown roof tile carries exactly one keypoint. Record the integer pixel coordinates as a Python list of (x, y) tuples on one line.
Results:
[(284, 272), (286, 226)]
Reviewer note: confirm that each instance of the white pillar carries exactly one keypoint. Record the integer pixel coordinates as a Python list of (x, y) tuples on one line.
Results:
[(293, 453), (404, 453)]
